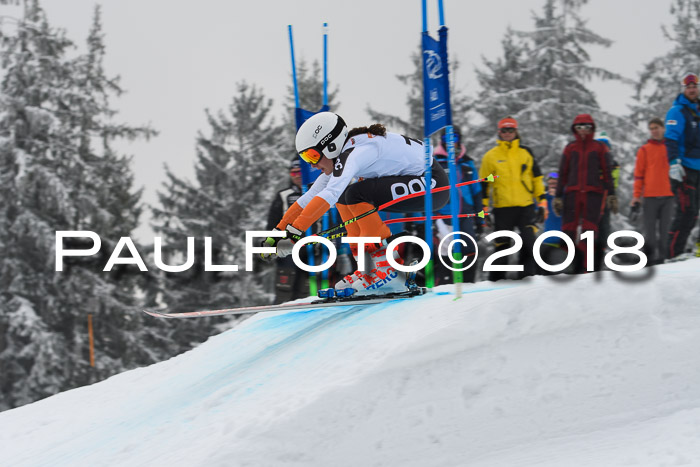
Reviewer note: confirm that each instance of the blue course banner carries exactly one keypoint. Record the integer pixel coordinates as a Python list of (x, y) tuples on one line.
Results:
[(436, 87)]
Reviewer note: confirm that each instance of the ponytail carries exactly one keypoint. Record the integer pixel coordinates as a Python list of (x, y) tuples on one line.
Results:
[(376, 129)]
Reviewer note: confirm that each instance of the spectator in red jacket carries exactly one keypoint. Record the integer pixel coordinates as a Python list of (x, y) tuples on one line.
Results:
[(585, 187), (651, 182)]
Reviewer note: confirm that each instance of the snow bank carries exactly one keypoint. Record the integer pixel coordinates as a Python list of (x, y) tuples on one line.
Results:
[(600, 369)]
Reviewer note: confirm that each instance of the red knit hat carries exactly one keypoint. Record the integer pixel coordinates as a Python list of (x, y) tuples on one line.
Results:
[(508, 122), (689, 78)]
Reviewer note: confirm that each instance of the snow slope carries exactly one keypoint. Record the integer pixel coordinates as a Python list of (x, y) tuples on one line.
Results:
[(593, 370)]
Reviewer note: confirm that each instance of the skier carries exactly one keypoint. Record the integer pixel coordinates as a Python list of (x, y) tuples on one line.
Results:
[(388, 165)]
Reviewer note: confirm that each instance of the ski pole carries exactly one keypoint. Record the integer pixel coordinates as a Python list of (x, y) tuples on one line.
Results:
[(481, 214), (344, 223)]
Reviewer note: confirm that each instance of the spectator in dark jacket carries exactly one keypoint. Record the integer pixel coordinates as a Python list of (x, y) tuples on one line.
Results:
[(290, 282), (585, 187), (683, 147)]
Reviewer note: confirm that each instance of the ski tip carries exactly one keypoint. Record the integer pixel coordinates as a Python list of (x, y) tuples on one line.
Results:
[(151, 313), (157, 313)]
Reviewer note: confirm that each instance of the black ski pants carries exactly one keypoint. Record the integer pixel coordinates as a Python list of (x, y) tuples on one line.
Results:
[(522, 218), (377, 191), (657, 213)]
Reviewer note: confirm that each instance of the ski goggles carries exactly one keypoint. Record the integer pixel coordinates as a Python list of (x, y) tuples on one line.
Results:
[(552, 175), (311, 155), (583, 126), (690, 78)]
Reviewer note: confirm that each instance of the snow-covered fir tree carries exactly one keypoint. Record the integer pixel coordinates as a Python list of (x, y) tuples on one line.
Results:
[(541, 80), (58, 171), (659, 82), (414, 124), (310, 88), (239, 163)]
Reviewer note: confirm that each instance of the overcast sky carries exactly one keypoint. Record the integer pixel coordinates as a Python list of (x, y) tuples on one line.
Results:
[(178, 57)]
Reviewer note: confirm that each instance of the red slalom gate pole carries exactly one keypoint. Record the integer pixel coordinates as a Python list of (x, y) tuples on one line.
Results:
[(422, 218), (324, 233)]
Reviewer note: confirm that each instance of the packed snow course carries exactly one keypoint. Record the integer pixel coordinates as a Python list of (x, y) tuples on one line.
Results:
[(592, 370)]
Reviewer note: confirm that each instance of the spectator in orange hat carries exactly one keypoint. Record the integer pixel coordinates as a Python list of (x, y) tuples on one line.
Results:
[(515, 193)]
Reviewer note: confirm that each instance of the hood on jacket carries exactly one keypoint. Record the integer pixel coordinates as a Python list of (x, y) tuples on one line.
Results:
[(583, 118), (440, 152), (682, 100)]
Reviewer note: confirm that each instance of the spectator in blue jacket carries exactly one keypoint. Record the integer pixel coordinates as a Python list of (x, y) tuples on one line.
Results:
[(551, 249), (683, 148), (552, 221), (470, 196)]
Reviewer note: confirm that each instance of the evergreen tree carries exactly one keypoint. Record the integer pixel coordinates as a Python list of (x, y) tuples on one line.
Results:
[(55, 177), (413, 126), (310, 88), (541, 80), (659, 81), (238, 163)]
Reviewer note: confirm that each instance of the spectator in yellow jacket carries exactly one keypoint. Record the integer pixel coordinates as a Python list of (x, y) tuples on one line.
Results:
[(515, 193)]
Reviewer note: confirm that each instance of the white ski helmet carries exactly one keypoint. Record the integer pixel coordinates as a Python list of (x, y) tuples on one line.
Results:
[(322, 134)]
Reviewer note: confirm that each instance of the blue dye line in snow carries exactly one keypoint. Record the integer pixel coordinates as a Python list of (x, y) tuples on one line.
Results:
[(489, 289), (234, 370)]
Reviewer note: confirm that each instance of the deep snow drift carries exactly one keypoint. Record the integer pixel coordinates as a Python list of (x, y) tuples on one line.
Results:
[(593, 370)]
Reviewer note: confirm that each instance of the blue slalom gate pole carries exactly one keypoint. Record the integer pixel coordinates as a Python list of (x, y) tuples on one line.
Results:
[(313, 286), (324, 257), (325, 64), (451, 157), (294, 67), (438, 115), (428, 224)]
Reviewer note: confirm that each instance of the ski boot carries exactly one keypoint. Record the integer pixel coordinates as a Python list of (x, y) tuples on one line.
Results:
[(380, 279)]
